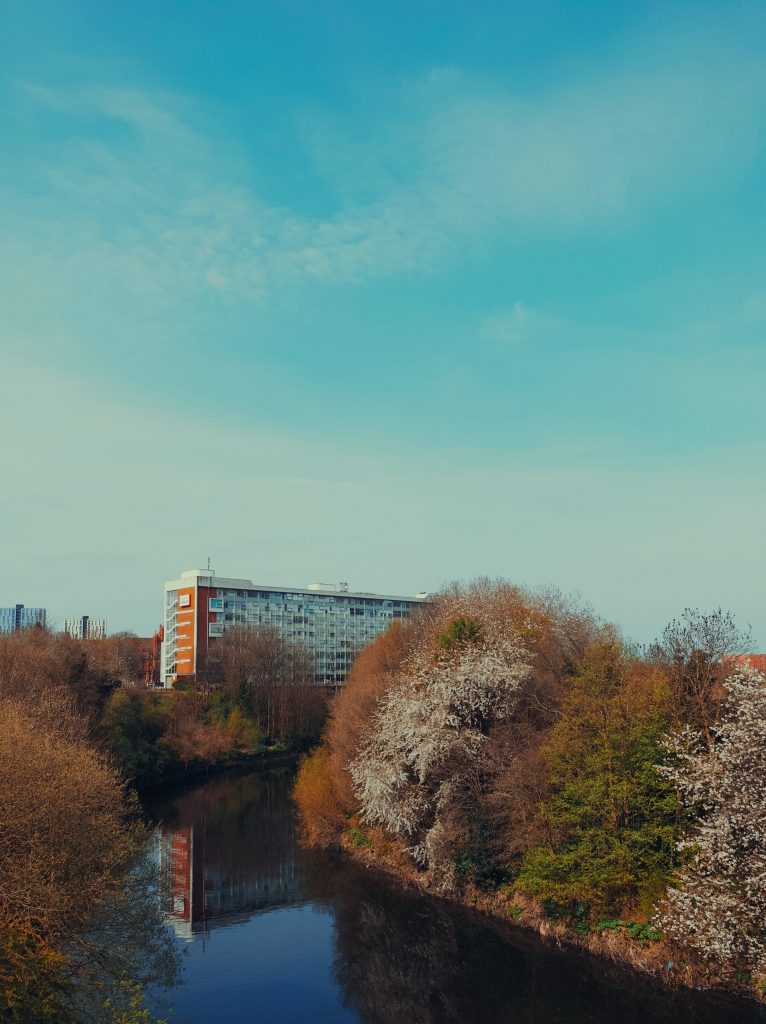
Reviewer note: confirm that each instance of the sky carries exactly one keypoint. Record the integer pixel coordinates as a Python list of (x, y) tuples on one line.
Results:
[(396, 294)]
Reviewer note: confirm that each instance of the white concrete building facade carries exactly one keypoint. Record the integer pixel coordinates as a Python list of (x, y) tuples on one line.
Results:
[(85, 628)]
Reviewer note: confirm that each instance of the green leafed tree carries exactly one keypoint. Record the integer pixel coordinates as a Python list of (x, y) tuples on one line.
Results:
[(133, 723), (610, 820)]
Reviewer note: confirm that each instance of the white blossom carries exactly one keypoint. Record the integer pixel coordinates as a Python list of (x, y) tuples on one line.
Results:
[(718, 908), (427, 728)]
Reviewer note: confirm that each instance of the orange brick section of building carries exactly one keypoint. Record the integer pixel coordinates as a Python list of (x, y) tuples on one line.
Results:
[(756, 661)]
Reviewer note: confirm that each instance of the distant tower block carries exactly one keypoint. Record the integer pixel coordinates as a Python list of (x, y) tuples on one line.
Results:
[(17, 618), (85, 628)]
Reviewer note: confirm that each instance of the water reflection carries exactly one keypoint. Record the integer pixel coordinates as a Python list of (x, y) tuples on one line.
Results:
[(402, 957), (227, 851), (308, 937)]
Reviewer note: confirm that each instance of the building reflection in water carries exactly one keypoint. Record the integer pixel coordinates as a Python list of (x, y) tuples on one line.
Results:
[(226, 852)]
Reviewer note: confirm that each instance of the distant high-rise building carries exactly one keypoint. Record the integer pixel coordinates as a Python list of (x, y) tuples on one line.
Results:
[(331, 622), (85, 628), (19, 617)]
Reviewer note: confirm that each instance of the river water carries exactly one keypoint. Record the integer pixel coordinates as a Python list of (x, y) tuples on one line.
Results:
[(270, 932)]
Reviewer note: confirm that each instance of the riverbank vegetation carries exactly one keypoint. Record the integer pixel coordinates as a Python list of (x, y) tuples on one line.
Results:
[(259, 698), (80, 932), (508, 749)]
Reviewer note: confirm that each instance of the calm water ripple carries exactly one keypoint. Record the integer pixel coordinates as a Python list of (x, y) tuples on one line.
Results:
[(272, 932)]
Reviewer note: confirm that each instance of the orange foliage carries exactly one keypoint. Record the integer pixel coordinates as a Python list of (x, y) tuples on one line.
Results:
[(30, 976), (322, 816), (36, 664), (556, 630), (66, 841), (63, 844), (372, 674), (323, 788), (243, 733)]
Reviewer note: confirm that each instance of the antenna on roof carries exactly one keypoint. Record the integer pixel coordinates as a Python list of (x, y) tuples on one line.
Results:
[(208, 564)]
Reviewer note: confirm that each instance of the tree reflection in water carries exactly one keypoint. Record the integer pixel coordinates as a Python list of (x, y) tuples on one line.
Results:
[(405, 957), (399, 957)]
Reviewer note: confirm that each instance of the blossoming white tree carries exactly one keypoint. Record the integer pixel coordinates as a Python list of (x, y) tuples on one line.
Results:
[(718, 908), (428, 731)]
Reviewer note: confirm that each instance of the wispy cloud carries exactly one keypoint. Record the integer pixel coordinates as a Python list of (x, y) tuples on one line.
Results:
[(738, 329), (519, 325), (161, 205)]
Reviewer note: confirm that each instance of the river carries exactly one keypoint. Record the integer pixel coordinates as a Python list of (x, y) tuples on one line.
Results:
[(271, 932)]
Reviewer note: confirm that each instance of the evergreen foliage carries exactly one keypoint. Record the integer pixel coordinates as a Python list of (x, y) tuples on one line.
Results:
[(611, 819), (462, 630), (133, 724)]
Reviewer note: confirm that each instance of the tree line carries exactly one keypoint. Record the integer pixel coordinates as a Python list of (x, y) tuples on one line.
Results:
[(258, 696), (509, 748)]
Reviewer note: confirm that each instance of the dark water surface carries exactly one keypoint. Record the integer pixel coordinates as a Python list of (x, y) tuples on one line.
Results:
[(274, 933)]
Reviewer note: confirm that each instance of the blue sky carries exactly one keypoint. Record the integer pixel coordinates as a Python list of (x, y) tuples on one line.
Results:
[(393, 293)]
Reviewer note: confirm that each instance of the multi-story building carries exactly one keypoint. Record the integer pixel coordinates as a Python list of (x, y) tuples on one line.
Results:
[(755, 661), (331, 622), (19, 617), (85, 628)]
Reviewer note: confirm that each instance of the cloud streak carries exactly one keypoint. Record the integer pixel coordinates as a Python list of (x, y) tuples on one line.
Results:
[(162, 207)]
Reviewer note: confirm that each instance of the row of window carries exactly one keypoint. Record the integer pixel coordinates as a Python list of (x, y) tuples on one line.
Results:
[(328, 598), (359, 627), (217, 605)]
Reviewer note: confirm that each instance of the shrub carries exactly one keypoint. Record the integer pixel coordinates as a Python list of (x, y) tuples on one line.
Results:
[(609, 924), (322, 818), (358, 837), (65, 849), (478, 863), (644, 931)]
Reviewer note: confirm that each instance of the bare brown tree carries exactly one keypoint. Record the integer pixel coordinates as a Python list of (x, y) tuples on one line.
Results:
[(272, 679), (695, 652)]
